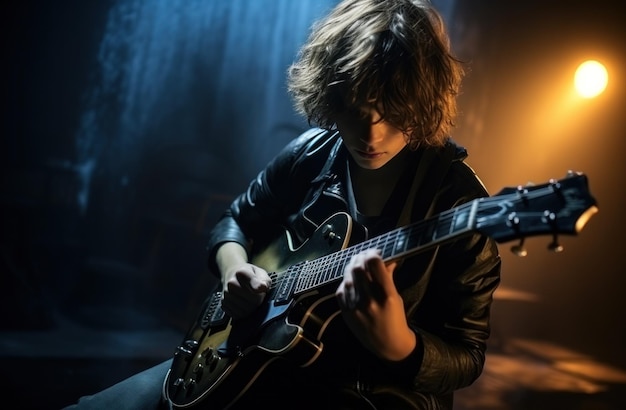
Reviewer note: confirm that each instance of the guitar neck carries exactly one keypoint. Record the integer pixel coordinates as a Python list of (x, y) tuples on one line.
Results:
[(557, 207), (394, 245)]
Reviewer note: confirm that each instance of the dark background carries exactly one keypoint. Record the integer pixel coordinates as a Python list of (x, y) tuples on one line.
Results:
[(129, 125)]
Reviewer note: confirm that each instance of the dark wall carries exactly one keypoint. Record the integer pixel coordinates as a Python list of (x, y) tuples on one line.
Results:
[(48, 53), (130, 126)]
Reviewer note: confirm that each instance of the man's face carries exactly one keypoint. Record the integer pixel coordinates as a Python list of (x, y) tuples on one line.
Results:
[(371, 142)]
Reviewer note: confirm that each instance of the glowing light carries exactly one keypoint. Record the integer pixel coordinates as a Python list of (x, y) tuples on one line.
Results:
[(591, 79)]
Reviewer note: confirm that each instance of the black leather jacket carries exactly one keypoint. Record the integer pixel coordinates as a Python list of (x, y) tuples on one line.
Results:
[(447, 290)]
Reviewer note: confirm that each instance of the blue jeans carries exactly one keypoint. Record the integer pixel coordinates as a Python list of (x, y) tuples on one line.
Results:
[(141, 391)]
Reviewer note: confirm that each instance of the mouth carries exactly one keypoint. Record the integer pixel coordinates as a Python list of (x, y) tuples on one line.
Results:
[(368, 155)]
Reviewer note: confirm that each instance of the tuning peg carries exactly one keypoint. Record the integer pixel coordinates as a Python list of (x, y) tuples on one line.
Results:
[(519, 249), (555, 246), (550, 218)]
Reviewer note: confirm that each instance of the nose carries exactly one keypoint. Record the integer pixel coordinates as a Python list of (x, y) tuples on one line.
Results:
[(373, 133)]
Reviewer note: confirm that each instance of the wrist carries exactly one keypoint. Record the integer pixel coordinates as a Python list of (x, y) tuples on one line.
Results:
[(229, 256), (405, 344)]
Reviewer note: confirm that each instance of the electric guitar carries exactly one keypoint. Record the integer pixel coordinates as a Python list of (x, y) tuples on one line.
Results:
[(219, 359)]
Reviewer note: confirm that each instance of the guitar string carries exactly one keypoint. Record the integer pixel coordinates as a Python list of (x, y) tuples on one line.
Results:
[(331, 262), (340, 258)]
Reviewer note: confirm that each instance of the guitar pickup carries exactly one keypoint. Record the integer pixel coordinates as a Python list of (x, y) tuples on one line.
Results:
[(286, 283), (213, 313)]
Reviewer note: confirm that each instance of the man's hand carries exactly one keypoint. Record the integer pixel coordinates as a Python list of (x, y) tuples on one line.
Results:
[(245, 290), (372, 307), (244, 284)]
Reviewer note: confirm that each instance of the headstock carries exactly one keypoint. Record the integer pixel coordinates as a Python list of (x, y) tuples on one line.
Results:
[(556, 207)]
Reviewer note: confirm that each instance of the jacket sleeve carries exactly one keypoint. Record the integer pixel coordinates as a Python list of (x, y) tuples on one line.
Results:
[(451, 315), (453, 349), (256, 216)]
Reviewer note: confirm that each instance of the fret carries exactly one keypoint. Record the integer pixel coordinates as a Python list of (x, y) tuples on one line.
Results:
[(310, 271), (328, 269), (316, 266), (325, 267), (443, 229), (391, 242)]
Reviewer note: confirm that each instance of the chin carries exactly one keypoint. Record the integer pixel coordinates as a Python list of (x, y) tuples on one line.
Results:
[(371, 165)]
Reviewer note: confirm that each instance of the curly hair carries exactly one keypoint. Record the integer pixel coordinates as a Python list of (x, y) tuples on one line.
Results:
[(391, 54)]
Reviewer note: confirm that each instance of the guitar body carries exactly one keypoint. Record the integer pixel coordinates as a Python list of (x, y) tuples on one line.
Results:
[(220, 358)]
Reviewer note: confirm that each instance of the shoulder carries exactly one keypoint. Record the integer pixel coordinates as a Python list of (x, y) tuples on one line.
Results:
[(461, 183), (312, 141), (463, 176), (310, 150), (305, 156)]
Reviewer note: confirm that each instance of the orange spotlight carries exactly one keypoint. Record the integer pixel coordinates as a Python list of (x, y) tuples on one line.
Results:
[(591, 79)]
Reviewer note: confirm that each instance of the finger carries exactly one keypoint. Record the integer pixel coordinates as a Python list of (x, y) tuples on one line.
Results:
[(358, 266), (358, 282), (361, 289), (262, 276), (346, 293), (250, 281), (381, 273), (351, 296)]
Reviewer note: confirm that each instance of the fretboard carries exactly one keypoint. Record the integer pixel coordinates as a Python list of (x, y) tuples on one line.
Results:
[(393, 245)]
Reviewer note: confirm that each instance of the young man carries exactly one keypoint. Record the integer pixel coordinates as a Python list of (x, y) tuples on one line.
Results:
[(379, 80)]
